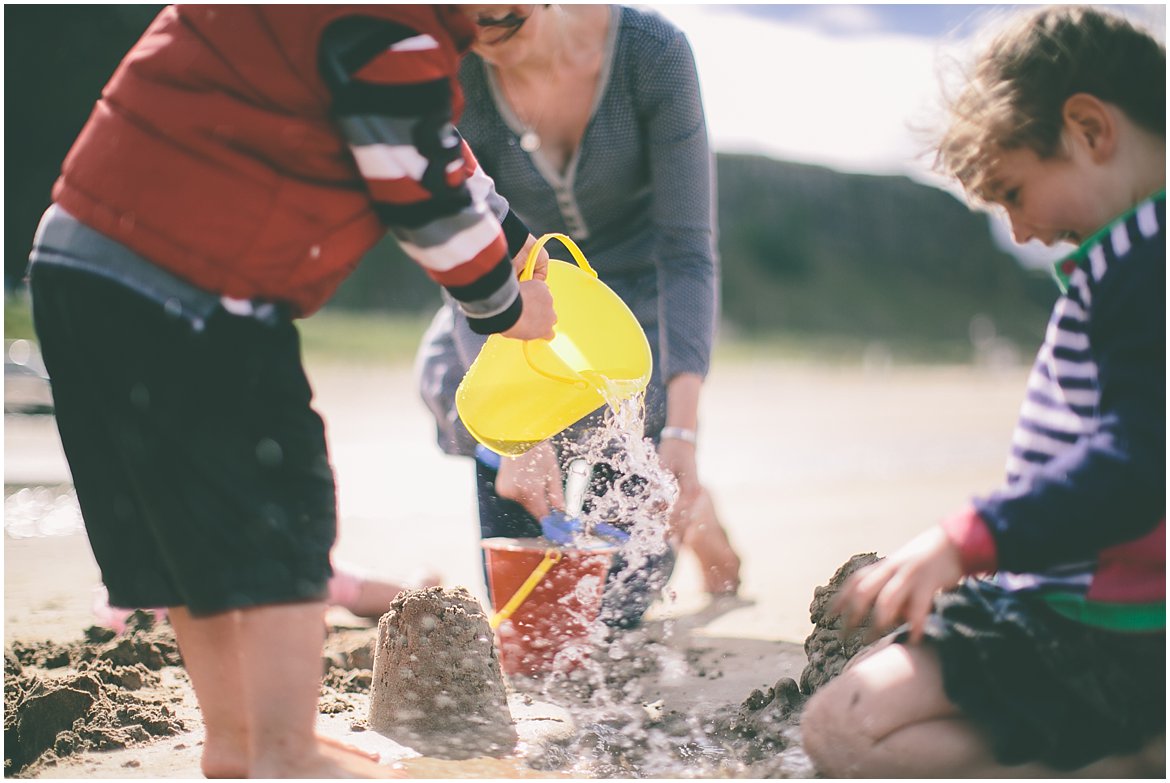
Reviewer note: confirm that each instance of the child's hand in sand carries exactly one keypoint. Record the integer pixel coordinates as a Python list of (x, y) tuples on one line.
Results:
[(901, 587)]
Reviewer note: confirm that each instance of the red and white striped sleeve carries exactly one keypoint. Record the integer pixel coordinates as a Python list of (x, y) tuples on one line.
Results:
[(393, 94)]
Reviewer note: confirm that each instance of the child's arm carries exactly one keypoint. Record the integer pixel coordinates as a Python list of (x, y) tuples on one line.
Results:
[(393, 90)]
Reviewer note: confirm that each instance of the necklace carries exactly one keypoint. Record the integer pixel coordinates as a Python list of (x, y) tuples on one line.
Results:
[(529, 137), (529, 140)]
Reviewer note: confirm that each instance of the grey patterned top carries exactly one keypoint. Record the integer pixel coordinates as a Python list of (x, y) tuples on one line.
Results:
[(638, 197)]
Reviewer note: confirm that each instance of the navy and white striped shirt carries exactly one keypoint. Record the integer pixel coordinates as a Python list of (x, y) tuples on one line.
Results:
[(1083, 508)]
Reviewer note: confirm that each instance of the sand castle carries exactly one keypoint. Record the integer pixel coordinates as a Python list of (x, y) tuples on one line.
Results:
[(437, 684)]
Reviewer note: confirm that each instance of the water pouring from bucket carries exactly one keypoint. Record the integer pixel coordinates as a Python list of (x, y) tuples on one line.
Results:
[(518, 393), (551, 596), (546, 592)]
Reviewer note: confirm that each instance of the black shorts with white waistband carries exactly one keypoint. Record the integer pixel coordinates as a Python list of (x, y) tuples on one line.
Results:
[(199, 463)]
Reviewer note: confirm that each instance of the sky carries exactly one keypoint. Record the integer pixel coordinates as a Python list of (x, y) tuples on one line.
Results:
[(842, 86), (837, 85)]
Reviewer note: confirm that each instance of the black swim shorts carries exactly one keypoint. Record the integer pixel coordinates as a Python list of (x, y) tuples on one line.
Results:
[(1042, 687), (199, 463)]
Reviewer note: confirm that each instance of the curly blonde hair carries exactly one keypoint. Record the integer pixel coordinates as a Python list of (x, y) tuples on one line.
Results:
[(1015, 95)]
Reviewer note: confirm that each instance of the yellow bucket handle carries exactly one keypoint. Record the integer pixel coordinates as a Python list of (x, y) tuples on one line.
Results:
[(551, 558), (529, 266), (578, 256)]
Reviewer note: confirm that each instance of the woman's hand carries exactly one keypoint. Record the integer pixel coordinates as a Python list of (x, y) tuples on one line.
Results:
[(901, 588), (533, 480), (678, 456)]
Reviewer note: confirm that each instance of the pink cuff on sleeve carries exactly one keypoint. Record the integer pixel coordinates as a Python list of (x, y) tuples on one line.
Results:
[(970, 534)]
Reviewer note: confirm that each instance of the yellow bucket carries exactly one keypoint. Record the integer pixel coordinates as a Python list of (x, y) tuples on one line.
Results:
[(518, 393)]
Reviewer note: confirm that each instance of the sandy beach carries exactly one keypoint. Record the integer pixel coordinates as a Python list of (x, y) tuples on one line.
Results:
[(808, 466)]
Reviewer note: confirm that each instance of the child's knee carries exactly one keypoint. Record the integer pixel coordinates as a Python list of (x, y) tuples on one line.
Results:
[(816, 728), (830, 732)]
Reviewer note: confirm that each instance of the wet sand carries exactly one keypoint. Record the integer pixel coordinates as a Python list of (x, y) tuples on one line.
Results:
[(808, 465)]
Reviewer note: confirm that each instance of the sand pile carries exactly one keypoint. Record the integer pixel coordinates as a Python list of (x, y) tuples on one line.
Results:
[(428, 677), (437, 685), (766, 725), (829, 647), (97, 694)]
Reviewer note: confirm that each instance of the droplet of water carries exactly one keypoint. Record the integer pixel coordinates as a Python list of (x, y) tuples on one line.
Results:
[(20, 351), (269, 453), (140, 396), (33, 512), (587, 589)]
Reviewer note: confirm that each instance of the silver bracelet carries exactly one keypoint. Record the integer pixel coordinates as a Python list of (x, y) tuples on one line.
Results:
[(680, 433)]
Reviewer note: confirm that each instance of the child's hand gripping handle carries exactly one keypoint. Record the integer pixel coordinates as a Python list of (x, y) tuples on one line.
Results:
[(526, 275), (534, 253)]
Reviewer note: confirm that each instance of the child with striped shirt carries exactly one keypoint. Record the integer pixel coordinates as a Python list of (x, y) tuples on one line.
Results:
[(1046, 651)]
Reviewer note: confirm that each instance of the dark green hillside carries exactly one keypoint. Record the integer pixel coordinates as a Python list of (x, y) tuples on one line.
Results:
[(815, 251), (809, 251)]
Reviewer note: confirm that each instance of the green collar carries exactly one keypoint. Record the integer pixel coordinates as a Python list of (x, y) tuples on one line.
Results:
[(1064, 268)]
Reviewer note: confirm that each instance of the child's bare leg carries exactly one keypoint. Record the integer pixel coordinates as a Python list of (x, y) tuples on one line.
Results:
[(280, 649), (846, 722), (886, 715), (207, 645), (257, 675)]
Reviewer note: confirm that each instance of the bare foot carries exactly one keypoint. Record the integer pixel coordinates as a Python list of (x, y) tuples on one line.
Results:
[(222, 769), (334, 746), (333, 759), (220, 764), (224, 758), (356, 760)]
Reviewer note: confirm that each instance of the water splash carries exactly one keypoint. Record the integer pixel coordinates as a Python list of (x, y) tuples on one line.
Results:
[(614, 690), (37, 512), (631, 488)]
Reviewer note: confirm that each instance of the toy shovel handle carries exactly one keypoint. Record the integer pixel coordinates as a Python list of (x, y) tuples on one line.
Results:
[(551, 558), (578, 256)]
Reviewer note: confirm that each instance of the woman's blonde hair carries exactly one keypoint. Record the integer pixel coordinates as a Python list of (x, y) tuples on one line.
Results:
[(1014, 97)]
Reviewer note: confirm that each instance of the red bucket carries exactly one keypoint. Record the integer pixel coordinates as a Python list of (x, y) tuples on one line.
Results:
[(545, 599)]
